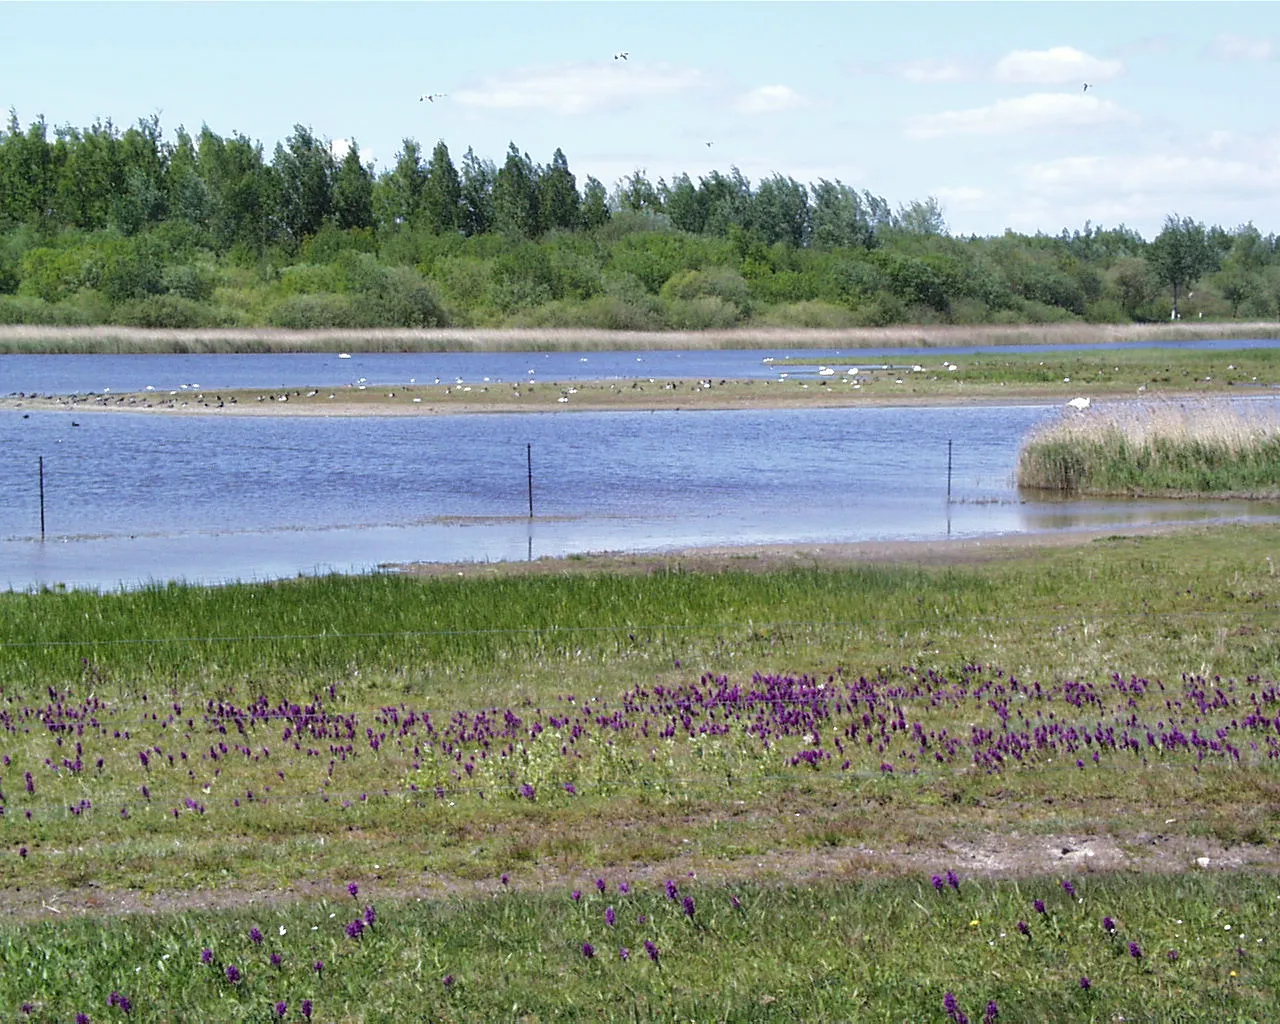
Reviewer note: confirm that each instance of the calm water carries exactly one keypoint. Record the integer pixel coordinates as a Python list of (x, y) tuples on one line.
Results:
[(137, 498), (82, 374)]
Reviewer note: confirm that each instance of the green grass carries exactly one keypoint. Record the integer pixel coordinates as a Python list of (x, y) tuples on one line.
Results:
[(82, 675), (1204, 448), (847, 949)]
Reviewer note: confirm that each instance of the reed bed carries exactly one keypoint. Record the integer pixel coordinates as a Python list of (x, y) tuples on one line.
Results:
[(1178, 448), (107, 339)]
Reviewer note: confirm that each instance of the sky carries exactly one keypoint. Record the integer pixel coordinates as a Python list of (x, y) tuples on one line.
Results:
[(982, 105)]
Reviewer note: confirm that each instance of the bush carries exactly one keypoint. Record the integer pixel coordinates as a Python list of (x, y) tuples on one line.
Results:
[(814, 313), (399, 297), (163, 311), (721, 283), (306, 312), (189, 282), (706, 312), (606, 312)]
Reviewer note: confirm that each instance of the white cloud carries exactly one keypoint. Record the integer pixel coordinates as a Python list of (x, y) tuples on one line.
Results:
[(1169, 176), (580, 88), (771, 99), (340, 147), (929, 72), (962, 195), (1038, 112), (1058, 65), (1241, 48)]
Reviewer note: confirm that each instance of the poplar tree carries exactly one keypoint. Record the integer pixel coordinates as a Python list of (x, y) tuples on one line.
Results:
[(441, 193), (353, 191), (558, 199), (515, 196)]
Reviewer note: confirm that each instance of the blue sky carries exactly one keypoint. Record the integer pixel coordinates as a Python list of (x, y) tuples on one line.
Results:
[(981, 105)]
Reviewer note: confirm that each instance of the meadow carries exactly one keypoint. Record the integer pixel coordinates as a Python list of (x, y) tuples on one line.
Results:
[(829, 792), (1157, 448)]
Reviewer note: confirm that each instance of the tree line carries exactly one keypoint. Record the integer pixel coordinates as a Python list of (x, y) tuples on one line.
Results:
[(107, 225)]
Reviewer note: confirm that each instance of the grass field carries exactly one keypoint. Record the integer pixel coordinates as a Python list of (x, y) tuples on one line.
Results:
[(814, 744)]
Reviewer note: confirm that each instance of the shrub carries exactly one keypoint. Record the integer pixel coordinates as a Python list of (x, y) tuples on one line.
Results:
[(706, 312), (163, 311), (303, 312)]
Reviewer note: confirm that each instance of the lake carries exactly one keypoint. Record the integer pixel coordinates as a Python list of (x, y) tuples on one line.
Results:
[(135, 498)]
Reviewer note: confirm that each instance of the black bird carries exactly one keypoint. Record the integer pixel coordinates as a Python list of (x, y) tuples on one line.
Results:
[(1086, 87), (621, 55)]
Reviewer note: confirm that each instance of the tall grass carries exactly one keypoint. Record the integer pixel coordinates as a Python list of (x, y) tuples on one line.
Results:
[(1157, 448), (24, 339)]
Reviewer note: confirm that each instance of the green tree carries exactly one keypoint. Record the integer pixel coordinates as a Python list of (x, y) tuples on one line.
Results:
[(478, 178), (243, 192), (595, 203), (187, 194), (1179, 255), (353, 191), (515, 196), (921, 218), (558, 199), (683, 206), (397, 195), (840, 221), (636, 193), (780, 211), (442, 193), (306, 170), (27, 173)]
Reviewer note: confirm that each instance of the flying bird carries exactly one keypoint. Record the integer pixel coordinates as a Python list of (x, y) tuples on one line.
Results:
[(1086, 87), (431, 97), (708, 145), (621, 55)]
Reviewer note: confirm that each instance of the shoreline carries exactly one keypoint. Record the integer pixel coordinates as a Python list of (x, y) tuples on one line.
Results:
[(30, 339), (581, 396)]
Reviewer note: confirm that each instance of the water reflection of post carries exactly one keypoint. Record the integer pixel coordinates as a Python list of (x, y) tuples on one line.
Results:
[(948, 487)]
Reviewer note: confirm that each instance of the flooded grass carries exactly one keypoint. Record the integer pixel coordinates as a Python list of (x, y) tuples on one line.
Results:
[(1149, 448)]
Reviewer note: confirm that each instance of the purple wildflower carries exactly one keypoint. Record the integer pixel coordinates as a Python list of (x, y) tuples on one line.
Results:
[(528, 792), (688, 906), (610, 918), (570, 788), (576, 895), (624, 953), (28, 1008), (937, 882), (233, 973), (370, 915), (735, 902), (672, 892), (353, 889), (318, 967), (276, 960), (651, 948), (1173, 956), (306, 1008), (953, 880), (588, 950), (1135, 951), (122, 1001), (1108, 926), (83, 1018), (447, 981), (1039, 905), (1085, 983), (601, 885), (282, 1008), (624, 887), (206, 955), (255, 935), (22, 852), (505, 879), (1024, 928), (993, 1011), (1069, 888), (355, 929)]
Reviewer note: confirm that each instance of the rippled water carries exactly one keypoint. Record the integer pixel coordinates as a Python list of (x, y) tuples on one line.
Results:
[(132, 498), (82, 374)]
